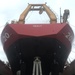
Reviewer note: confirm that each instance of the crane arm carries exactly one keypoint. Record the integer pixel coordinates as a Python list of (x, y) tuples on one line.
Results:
[(51, 15), (24, 14)]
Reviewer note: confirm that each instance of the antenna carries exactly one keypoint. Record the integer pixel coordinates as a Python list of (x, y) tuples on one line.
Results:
[(60, 15)]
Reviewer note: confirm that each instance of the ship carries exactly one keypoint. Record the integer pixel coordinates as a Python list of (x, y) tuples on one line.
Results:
[(37, 49)]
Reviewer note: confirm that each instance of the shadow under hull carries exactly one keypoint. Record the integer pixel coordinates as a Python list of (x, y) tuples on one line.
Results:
[(52, 53)]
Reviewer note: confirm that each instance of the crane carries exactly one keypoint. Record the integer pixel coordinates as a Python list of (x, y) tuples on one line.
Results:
[(31, 7)]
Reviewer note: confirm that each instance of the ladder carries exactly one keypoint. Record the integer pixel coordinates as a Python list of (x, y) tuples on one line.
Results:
[(37, 70)]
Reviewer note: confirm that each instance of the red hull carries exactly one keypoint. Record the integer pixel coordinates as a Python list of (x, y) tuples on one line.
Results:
[(61, 32), (48, 41)]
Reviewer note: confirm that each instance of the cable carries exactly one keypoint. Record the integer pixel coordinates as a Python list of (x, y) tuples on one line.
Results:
[(44, 19), (29, 16)]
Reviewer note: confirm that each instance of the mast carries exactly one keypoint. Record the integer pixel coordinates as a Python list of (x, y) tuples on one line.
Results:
[(60, 15)]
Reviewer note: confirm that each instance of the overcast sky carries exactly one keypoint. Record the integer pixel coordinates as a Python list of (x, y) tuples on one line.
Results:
[(11, 9)]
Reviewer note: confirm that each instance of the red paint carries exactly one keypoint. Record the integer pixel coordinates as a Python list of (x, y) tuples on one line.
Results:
[(17, 31)]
